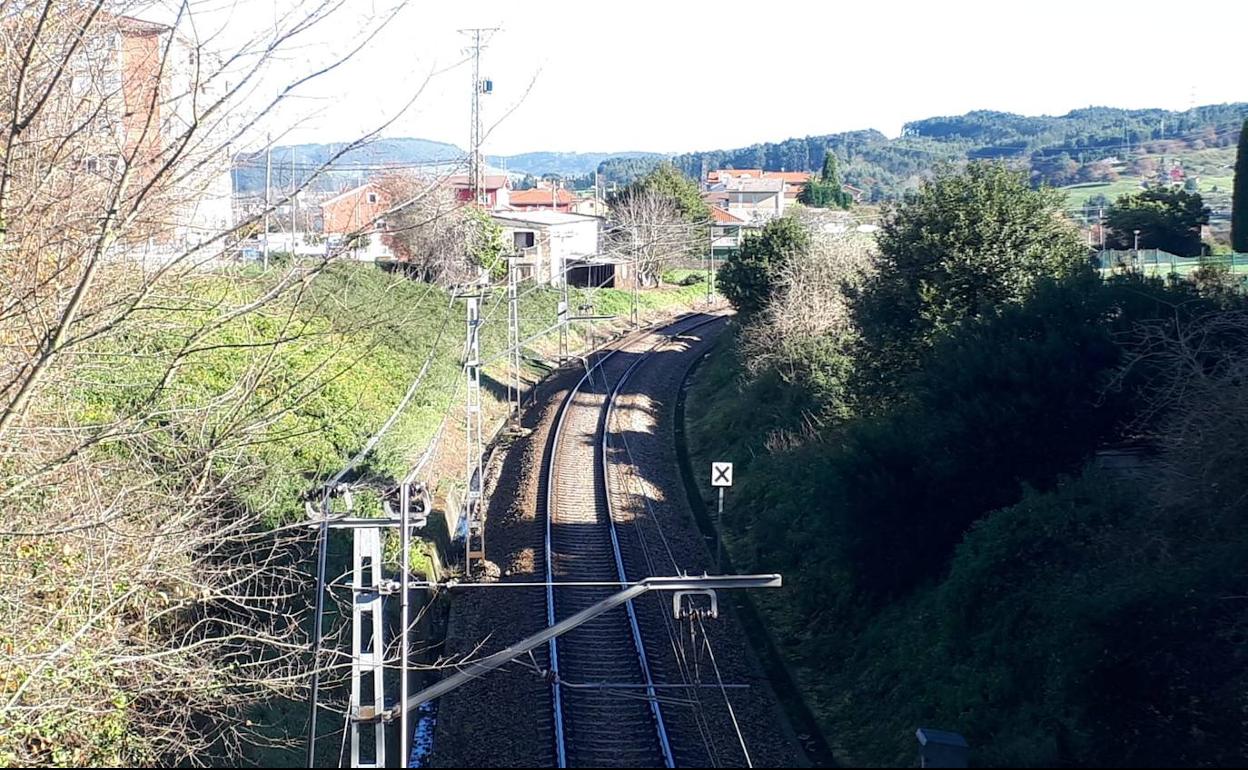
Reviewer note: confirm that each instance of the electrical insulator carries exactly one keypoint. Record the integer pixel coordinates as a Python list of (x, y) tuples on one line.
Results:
[(422, 504)]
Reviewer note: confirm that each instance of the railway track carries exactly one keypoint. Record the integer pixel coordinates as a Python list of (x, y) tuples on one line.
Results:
[(607, 706)]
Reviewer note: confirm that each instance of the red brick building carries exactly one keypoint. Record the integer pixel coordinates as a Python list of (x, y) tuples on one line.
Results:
[(353, 210)]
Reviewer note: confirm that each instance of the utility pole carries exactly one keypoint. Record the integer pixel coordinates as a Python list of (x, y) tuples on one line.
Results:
[(268, 180), (476, 169), (474, 537), (563, 320), (636, 276), (561, 274), (710, 262), (293, 188), (513, 344)]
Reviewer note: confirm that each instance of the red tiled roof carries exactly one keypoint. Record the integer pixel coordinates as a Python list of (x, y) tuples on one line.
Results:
[(536, 197), (492, 181), (724, 218), (713, 176), (789, 177)]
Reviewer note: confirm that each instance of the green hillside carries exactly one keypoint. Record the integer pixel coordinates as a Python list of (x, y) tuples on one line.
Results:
[(1080, 146)]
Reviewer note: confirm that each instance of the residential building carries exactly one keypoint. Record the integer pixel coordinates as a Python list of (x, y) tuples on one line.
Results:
[(854, 192), (146, 74), (756, 201), (726, 232), (591, 206), (793, 181), (542, 198), (720, 176), (546, 243), (497, 190), (358, 210)]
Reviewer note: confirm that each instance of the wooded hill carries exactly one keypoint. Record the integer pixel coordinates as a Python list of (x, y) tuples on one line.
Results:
[(1094, 144), (1056, 150)]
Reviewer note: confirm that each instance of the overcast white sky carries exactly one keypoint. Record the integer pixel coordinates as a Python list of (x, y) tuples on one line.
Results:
[(674, 76)]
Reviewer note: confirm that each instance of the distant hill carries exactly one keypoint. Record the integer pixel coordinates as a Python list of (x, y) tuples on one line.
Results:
[(360, 162), (401, 153), (1091, 145), (562, 163), (1082, 146)]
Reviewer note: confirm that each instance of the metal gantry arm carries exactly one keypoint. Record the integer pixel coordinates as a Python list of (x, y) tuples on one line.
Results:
[(481, 667)]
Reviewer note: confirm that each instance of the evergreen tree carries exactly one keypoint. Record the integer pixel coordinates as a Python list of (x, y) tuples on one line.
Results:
[(1239, 199), (1166, 218), (830, 175), (825, 190)]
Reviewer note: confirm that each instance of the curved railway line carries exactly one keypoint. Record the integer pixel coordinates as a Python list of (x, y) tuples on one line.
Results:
[(592, 496), (608, 710)]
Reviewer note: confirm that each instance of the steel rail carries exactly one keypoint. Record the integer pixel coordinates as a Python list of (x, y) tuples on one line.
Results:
[(677, 328)]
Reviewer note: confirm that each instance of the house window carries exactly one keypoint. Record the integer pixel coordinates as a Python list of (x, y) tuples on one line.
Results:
[(372, 197), (93, 165)]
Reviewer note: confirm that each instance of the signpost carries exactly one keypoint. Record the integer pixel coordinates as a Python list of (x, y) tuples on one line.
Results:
[(721, 477)]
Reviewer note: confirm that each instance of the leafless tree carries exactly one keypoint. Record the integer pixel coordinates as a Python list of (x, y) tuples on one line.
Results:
[(647, 229), (812, 301), (144, 600), (1193, 377), (440, 237)]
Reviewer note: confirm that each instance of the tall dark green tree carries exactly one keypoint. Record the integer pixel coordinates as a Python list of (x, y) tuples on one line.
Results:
[(1239, 202), (825, 190), (1167, 218), (829, 173)]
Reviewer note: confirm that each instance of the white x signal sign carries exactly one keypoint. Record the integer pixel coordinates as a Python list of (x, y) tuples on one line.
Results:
[(721, 474)]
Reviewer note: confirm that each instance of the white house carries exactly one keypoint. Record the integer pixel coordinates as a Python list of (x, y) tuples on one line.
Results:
[(547, 241), (726, 232), (755, 201)]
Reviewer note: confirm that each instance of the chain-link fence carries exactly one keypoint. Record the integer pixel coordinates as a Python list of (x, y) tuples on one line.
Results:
[(1155, 262)]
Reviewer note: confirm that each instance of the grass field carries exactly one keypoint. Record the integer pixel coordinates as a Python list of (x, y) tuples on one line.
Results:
[(1079, 194), (1182, 268)]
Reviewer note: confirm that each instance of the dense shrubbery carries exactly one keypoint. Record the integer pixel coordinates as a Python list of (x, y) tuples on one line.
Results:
[(952, 560)]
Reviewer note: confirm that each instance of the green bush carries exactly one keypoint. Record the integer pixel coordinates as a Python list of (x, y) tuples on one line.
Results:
[(748, 276), (969, 244)]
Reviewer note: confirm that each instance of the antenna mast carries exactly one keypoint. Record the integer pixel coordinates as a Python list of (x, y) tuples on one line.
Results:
[(476, 164)]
